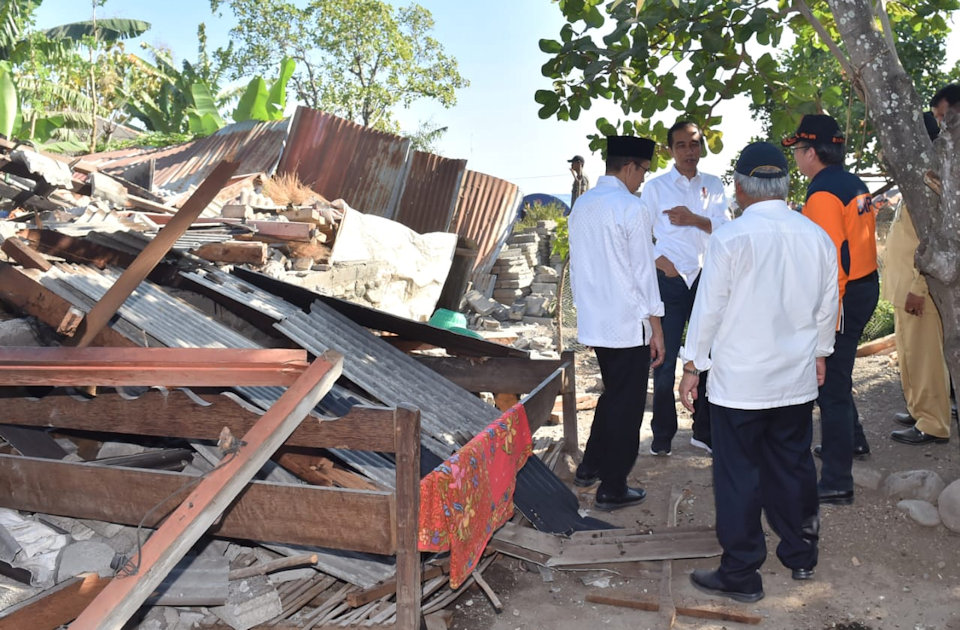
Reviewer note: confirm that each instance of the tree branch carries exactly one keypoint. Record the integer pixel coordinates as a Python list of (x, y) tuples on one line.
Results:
[(881, 10), (844, 61)]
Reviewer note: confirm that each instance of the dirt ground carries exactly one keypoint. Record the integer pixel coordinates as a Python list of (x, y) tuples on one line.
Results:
[(878, 568)]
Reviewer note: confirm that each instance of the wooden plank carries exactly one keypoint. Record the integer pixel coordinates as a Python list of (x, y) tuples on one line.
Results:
[(28, 296), (644, 548), (668, 608), (407, 452), (253, 253), (178, 533), (54, 607), (99, 316), (77, 250), (308, 214), (389, 587), (318, 470), (173, 367), (686, 611), (28, 257), (539, 403), (179, 413), (568, 392), (280, 513), (493, 374)]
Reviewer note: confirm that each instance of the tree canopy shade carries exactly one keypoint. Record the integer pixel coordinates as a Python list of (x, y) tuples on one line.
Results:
[(359, 59), (632, 55)]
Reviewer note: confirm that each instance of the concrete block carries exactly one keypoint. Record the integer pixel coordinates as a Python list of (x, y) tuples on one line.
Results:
[(251, 602), (507, 294), (549, 225), (119, 449), (546, 271), (537, 305), (85, 556), (524, 238), (543, 288), (480, 304), (501, 313), (517, 311), (162, 618), (489, 323), (17, 332), (539, 321), (514, 284)]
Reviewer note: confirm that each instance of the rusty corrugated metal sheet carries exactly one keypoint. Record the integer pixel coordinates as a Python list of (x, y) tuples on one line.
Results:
[(488, 206), (257, 145), (343, 160), (430, 193)]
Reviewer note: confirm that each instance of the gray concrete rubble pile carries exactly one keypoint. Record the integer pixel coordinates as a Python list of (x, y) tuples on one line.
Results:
[(527, 279)]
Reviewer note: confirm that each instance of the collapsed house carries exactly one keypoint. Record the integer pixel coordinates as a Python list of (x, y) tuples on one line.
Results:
[(207, 439)]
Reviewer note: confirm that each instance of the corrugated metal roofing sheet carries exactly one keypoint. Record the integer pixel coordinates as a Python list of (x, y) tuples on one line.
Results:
[(343, 160), (488, 206), (257, 145), (431, 193)]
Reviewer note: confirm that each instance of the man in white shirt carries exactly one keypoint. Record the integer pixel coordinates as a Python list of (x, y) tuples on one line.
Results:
[(762, 323), (618, 313), (685, 206)]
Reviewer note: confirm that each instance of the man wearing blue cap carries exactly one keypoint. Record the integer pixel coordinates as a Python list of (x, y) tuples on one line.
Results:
[(762, 323), (614, 281)]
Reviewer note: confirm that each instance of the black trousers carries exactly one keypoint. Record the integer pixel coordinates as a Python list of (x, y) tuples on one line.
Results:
[(840, 426), (615, 432), (762, 460)]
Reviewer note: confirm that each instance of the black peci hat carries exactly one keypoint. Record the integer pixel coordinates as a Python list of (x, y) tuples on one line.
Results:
[(630, 147)]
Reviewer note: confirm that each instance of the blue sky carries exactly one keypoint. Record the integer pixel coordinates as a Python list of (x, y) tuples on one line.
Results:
[(494, 124)]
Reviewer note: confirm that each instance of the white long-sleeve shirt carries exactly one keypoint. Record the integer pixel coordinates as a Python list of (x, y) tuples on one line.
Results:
[(612, 270), (765, 309), (684, 245)]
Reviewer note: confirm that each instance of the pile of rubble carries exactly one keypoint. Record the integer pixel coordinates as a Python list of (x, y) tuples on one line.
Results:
[(525, 290)]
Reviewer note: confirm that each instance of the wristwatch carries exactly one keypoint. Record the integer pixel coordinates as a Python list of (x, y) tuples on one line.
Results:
[(692, 370)]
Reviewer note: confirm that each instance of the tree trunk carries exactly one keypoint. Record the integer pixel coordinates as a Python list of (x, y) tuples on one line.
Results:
[(897, 113)]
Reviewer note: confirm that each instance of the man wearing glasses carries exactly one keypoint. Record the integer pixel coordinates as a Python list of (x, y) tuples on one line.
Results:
[(685, 207), (840, 203)]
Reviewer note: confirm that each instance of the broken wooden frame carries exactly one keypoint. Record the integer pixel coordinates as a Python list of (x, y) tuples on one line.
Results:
[(265, 511)]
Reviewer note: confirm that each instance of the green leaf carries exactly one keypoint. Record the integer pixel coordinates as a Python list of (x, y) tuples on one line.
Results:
[(253, 102), (9, 105), (550, 46), (109, 30), (205, 108), (277, 99)]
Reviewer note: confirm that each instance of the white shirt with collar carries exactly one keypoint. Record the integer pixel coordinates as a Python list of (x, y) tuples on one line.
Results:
[(684, 245), (765, 309), (612, 270)]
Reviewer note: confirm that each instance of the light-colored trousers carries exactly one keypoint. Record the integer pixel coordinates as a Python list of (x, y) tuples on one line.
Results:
[(923, 369)]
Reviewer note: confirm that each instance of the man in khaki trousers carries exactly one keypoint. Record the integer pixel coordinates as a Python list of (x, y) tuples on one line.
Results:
[(919, 335)]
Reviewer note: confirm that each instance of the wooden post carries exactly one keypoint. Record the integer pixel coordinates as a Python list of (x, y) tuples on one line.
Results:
[(408, 509), (569, 393)]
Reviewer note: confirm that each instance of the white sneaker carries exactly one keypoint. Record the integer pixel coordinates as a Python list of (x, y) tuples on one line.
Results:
[(703, 445), (660, 453)]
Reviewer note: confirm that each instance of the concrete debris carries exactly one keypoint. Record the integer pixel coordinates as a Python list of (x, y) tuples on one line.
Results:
[(85, 556), (18, 332), (165, 618), (251, 602), (39, 546), (119, 449)]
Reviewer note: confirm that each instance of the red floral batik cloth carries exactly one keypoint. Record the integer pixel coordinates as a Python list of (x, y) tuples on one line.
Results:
[(467, 497)]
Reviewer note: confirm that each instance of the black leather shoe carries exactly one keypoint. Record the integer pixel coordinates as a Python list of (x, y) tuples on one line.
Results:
[(610, 502), (913, 435), (859, 452), (710, 582), (802, 574), (905, 419), (836, 497), (585, 478)]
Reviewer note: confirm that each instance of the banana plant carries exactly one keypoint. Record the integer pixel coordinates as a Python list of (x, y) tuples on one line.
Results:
[(260, 103)]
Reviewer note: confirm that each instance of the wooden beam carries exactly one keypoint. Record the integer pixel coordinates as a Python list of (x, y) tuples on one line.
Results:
[(28, 257), (539, 403), (280, 513), (407, 452), (183, 414), (568, 392), (254, 253), (76, 250), (493, 374), (54, 607), (99, 316), (163, 550), (28, 296), (687, 611), (173, 367)]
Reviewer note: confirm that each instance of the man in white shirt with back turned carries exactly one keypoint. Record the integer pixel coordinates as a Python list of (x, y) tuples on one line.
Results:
[(618, 313), (685, 206), (763, 323)]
